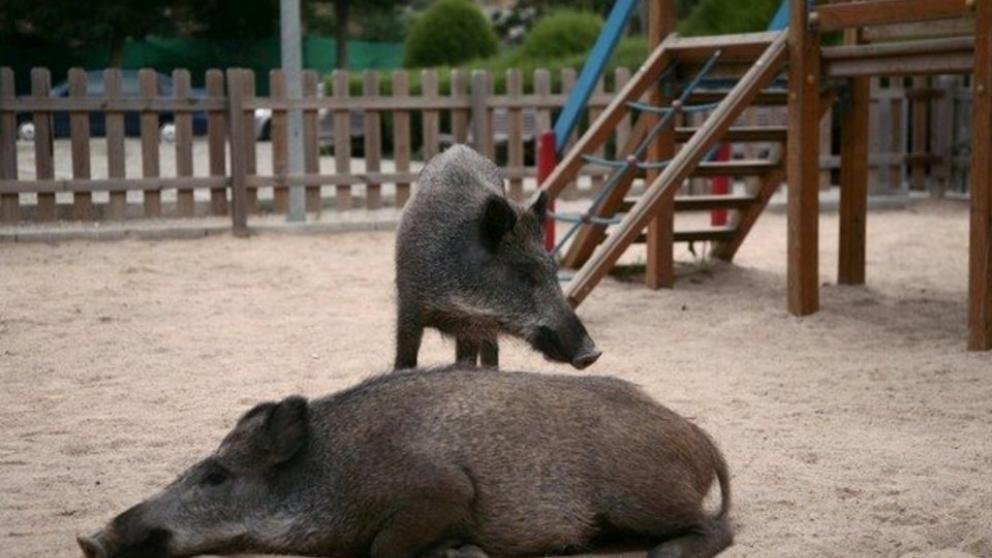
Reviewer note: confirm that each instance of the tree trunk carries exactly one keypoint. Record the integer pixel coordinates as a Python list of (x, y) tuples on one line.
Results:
[(341, 9), (117, 51)]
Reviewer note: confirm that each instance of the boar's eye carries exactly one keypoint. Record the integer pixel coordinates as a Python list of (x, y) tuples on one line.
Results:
[(216, 476)]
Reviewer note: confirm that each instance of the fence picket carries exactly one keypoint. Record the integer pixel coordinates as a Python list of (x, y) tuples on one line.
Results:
[(216, 142), (431, 118), (373, 141), (148, 89), (116, 162), (44, 165), (79, 137), (515, 131), (184, 143), (342, 141), (278, 136), (250, 147), (401, 136), (236, 79), (459, 116), (9, 203), (311, 141)]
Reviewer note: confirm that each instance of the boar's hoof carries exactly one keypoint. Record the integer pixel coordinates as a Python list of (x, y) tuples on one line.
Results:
[(467, 551), (90, 547), (586, 359)]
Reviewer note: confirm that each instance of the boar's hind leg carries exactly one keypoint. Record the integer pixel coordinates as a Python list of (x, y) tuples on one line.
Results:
[(409, 332), (451, 550), (703, 541), (418, 528), (466, 351), (489, 353)]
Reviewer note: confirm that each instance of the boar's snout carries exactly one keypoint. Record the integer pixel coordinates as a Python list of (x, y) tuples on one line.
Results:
[(123, 538), (568, 343), (91, 546)]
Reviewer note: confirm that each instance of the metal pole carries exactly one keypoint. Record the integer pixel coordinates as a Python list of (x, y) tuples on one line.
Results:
[(289, 25)]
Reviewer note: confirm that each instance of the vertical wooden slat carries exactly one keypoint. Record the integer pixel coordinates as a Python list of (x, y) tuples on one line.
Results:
[(854, 177), (431, 120), (898, 145), (803, 162), (79, 131), (459, 117), (568, 77), (401, 136), (236, 79), (942, 134), (216, 145), (9, 203), (919, 138), (621, 76), (311, 140), (250, 147), (44, 165), (278, 136), (148, 89), (980, 265), (542, 88), (596, 180), (373, 140), (342, 141), (184, 142), (116, 162), (826, 130), (515, 129), (481, 132), (660, 260)]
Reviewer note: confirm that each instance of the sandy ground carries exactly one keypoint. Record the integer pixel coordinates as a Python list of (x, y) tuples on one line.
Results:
[(864, 430)]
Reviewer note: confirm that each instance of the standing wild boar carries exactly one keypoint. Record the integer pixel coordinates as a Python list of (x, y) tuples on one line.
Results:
[(471, 264), (442, 463)]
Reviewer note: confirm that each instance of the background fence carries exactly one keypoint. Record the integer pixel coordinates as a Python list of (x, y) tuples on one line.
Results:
[(363, 145)]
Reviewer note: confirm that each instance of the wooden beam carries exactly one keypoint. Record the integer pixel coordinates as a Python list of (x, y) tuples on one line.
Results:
[(761, 74), (917, 64), (603, 126), (743, 46), (660, 257), (919, 30), (854, 177), (803, 163), (835, 17), (980, 266)]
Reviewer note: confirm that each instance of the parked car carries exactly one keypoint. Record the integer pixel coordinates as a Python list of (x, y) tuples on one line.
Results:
[(263, 118), (96, 87)]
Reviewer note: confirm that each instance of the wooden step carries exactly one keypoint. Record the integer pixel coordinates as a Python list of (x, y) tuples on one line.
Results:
[(738, 167), (768, 97), (701, 203), (708, 234), (740, 134)]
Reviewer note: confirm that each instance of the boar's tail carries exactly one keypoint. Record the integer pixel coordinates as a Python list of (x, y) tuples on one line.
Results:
[(720, 469)]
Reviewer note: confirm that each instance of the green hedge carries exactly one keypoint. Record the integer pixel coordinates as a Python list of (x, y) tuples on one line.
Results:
[(720, 17), (561, 33)]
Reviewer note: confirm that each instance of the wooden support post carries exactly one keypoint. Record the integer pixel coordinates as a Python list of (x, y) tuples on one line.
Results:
[(660, 260), (980, 282), (9, 206), (854, 177), (236, 123), (803, 162)]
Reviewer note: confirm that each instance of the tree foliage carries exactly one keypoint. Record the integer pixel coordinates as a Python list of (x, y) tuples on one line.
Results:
[(449, 32)]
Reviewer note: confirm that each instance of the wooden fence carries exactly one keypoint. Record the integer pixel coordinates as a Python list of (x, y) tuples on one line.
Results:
[(916, 125)]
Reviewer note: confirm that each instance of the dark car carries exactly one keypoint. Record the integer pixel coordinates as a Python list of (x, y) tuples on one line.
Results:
[(95, 87)]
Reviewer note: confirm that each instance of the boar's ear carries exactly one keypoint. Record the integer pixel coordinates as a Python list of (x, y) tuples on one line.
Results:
[(498, 218), (540, 205), (277, 430)]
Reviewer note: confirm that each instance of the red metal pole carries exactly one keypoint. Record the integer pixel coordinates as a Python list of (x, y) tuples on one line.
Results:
[(721, 185), (546, 161)]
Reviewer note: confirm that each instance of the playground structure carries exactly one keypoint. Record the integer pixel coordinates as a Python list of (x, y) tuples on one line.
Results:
[(881, 38)]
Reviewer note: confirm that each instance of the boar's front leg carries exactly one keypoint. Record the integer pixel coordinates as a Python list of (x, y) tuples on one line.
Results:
[(466, 351), (418, 529), (489, 353), (409, 332)]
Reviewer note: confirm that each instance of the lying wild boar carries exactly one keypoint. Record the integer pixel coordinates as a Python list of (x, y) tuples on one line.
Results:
[(471, 264), (445, 462)]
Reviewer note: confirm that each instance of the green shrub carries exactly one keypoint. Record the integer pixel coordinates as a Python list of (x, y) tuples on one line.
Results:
[(720, 17), (561, 33), (449, 32)]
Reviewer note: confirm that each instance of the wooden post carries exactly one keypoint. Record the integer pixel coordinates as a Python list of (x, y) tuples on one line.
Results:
[(278, 135), (918, 173), (9, 203), (79, 129), (515, 136), (148, 88), (803, 162), (660, 264), (311, 141), (373, 141), (459, 117), (854, 177), (431, 122), (184, 142), (980, 283), (596, 179), (116, 161), (249, 143), (44, 165), (401, 137), (236, 123), (216, 134), (481, 134), (342, 141)]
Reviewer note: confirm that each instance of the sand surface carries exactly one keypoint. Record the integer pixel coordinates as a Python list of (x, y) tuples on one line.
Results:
[(864, 430)]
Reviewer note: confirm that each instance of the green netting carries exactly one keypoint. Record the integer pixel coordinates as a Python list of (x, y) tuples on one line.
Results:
[(199, 55)]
